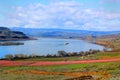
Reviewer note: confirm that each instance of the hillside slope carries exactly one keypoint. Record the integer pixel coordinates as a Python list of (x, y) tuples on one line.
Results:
[(7, 34)]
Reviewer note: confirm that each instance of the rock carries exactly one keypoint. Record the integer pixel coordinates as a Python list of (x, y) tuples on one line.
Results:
[(66, 43)]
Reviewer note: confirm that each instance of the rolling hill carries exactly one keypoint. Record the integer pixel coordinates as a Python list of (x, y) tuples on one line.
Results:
[(63, 33)]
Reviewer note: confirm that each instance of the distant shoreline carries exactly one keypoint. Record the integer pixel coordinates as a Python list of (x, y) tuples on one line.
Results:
[(13, 39), (10, 43), (101, 43)]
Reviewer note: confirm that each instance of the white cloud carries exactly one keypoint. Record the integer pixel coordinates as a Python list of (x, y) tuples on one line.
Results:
[(71, 15)]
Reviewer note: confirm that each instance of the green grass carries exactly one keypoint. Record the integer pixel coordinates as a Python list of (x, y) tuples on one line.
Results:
[(30, 77), (105, 55), (48, 68), (54, 59)]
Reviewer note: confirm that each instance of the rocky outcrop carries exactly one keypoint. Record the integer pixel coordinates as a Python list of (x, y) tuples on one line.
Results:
[(7, 34)]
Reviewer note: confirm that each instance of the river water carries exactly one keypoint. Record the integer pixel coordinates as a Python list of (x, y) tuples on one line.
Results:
[(44, 46)]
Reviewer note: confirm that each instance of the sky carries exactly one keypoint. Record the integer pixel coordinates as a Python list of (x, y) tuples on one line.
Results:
[(95, 15)]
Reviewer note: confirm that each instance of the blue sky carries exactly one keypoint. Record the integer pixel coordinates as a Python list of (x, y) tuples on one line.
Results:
[(100, 15)]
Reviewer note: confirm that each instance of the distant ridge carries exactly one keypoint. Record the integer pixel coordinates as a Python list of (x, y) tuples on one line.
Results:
[(63, 33)]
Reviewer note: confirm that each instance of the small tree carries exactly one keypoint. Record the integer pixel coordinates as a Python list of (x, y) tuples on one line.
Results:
[(62, 53), (20, 56), (48, 55), (9, 56), (33, 55)]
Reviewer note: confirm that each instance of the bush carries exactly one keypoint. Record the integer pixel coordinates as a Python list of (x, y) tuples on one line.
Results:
[(62, 53), (9, 57), (33, 56), (20, 56)]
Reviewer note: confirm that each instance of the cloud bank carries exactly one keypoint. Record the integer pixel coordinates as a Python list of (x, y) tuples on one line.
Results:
[(66, 15)]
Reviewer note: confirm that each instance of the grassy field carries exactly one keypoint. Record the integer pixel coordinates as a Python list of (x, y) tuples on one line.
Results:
[(99, 71)]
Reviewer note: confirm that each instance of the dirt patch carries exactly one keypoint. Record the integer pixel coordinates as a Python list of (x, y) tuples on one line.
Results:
[(47, 63), (89, 77), (102, 43)]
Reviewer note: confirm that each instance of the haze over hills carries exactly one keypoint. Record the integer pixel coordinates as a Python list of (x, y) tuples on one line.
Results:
[(63, 33)]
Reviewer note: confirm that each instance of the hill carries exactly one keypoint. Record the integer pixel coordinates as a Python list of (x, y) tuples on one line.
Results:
[(63, 33), (7, 34)]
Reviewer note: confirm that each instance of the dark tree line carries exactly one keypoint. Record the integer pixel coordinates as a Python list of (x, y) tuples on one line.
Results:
[(59, 54)]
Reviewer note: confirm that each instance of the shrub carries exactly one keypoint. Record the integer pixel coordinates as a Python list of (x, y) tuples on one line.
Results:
[(20, 56), (9, 56), (62, 53)]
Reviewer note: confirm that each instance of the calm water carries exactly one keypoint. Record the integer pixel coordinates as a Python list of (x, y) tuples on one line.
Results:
[(44, 46)]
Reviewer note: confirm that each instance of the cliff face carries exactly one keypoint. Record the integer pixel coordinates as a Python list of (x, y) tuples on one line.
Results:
[(7, 34)]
